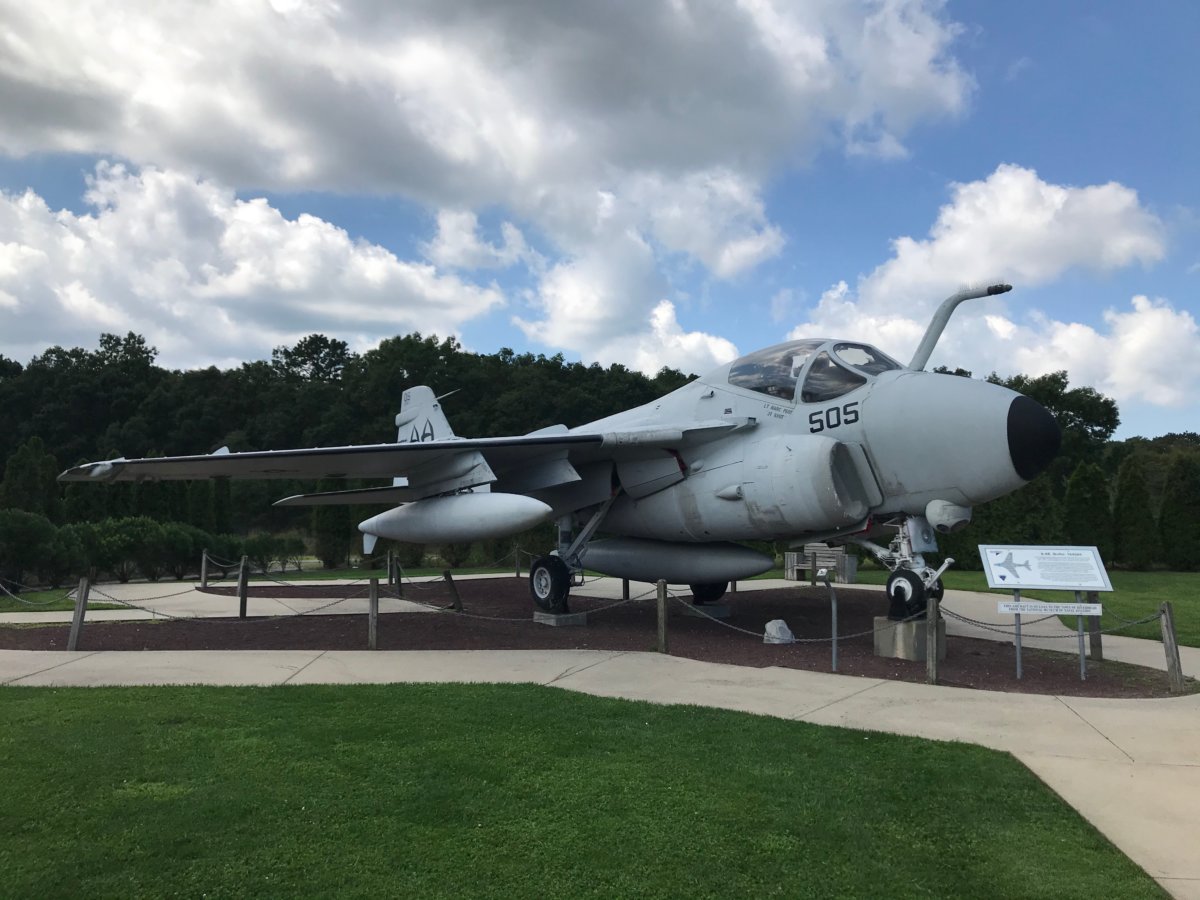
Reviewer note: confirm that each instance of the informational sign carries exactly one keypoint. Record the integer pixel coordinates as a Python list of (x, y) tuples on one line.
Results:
[(1018, 568), (1036, 608)]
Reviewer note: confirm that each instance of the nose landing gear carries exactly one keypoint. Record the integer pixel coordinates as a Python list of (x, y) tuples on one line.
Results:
[(911, 582)]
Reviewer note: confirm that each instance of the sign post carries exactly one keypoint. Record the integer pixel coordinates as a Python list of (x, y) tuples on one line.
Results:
[(1018, 568)]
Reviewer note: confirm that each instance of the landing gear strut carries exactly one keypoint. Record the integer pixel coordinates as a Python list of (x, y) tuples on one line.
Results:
[(912, 582)]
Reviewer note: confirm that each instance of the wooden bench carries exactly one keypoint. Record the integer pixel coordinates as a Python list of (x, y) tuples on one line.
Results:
[(803, 565)]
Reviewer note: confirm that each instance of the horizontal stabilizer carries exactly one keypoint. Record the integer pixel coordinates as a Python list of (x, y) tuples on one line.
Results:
[(378, 495)]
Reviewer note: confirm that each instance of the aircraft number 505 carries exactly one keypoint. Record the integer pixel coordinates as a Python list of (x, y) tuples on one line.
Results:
[(822, 419)]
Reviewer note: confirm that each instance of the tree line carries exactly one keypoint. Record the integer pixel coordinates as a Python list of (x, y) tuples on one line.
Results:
[(1138, 500)]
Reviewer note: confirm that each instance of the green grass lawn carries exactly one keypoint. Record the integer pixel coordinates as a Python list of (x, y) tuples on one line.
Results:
[(497, 791), (47, 601)]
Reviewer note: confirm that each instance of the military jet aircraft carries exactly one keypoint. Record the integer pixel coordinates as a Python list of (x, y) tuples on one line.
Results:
[(806, 440)]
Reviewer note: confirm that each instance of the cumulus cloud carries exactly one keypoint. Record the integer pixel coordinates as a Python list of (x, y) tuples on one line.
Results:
[(1011, 226), (578, 121), (205, 276), (458, 245), (1149, 353)]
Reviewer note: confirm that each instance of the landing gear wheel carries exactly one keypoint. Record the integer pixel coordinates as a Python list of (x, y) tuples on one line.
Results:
[(937, 591), (906, 593), (550, 583), (710, 592)]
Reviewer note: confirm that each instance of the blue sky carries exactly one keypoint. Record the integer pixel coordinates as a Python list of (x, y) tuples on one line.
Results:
[(664, 184)]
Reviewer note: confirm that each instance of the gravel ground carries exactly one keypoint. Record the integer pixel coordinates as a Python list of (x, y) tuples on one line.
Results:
[(497, 616)]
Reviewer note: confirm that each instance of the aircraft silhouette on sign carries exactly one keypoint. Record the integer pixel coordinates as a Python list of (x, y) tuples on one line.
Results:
[(803, 441), (1007, 563)]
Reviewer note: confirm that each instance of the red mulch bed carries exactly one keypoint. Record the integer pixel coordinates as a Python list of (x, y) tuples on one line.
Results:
[(498, 617)]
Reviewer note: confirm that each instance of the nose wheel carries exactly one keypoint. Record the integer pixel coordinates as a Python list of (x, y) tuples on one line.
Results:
[(907, 594)]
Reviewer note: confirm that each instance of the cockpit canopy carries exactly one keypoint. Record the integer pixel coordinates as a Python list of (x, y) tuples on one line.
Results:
[(824, 369)]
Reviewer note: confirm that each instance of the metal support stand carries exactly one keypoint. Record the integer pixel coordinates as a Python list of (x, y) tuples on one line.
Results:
[(1096, 647), (243, 588), (833, 628), (373, 615), (204, 568), (1079, 628), (81, 599), (456, 600), (1017, 632), (662, 617)]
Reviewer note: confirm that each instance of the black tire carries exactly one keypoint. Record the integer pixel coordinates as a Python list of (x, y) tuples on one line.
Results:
[(550, 584), (709, 592), (906, 594)]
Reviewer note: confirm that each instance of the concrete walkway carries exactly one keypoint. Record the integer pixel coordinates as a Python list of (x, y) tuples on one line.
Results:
[(1131, 767)]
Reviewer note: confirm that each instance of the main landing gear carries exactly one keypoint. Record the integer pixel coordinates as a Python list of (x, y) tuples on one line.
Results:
[(550, 584), (911, 582)]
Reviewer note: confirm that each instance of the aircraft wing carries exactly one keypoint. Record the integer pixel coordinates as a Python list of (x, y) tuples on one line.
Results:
[(404, 459)]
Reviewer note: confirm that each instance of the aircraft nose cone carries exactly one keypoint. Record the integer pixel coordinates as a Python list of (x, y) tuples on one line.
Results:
[(1033, 437)]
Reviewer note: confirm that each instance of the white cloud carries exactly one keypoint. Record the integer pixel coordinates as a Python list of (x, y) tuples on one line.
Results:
[(204, 276), (578, 121), (458, 246), (1149, 354), (1011, 226)]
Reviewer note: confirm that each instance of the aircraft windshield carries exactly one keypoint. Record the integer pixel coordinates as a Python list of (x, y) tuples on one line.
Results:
[(865, 359), (827, 380), (773, 371)]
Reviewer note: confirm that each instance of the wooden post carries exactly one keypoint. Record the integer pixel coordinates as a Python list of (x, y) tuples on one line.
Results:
[(1171, 647), (662, 617), (243, 587), (373, 615), (517, 560), (81, 599), (391, 568), (204, 568), (1095, 648), (457, 600), (933, 615), (624, 588), (733, 587), (812, 569)]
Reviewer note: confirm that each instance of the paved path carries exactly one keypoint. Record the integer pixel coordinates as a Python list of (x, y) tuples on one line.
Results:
[(1131, 767)]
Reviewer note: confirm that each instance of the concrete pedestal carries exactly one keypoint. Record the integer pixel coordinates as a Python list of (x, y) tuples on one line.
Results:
[(560, 619), (707, 610), (906, 640)]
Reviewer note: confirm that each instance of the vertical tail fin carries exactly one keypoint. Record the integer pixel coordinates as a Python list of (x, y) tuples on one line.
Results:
[(421, 418)]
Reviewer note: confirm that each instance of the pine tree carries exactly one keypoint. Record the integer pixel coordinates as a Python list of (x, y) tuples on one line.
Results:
[(333, 530), (1137, 544), (30, 481), (1179, 524), (200, 504), (1087, 510)]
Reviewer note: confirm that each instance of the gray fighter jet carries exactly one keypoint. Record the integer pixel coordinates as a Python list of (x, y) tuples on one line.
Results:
[(807, 440)]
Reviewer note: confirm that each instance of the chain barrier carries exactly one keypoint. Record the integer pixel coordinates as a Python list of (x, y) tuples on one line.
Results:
[(795, 640), (1011, 631), (255, 620), (36, 604)]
